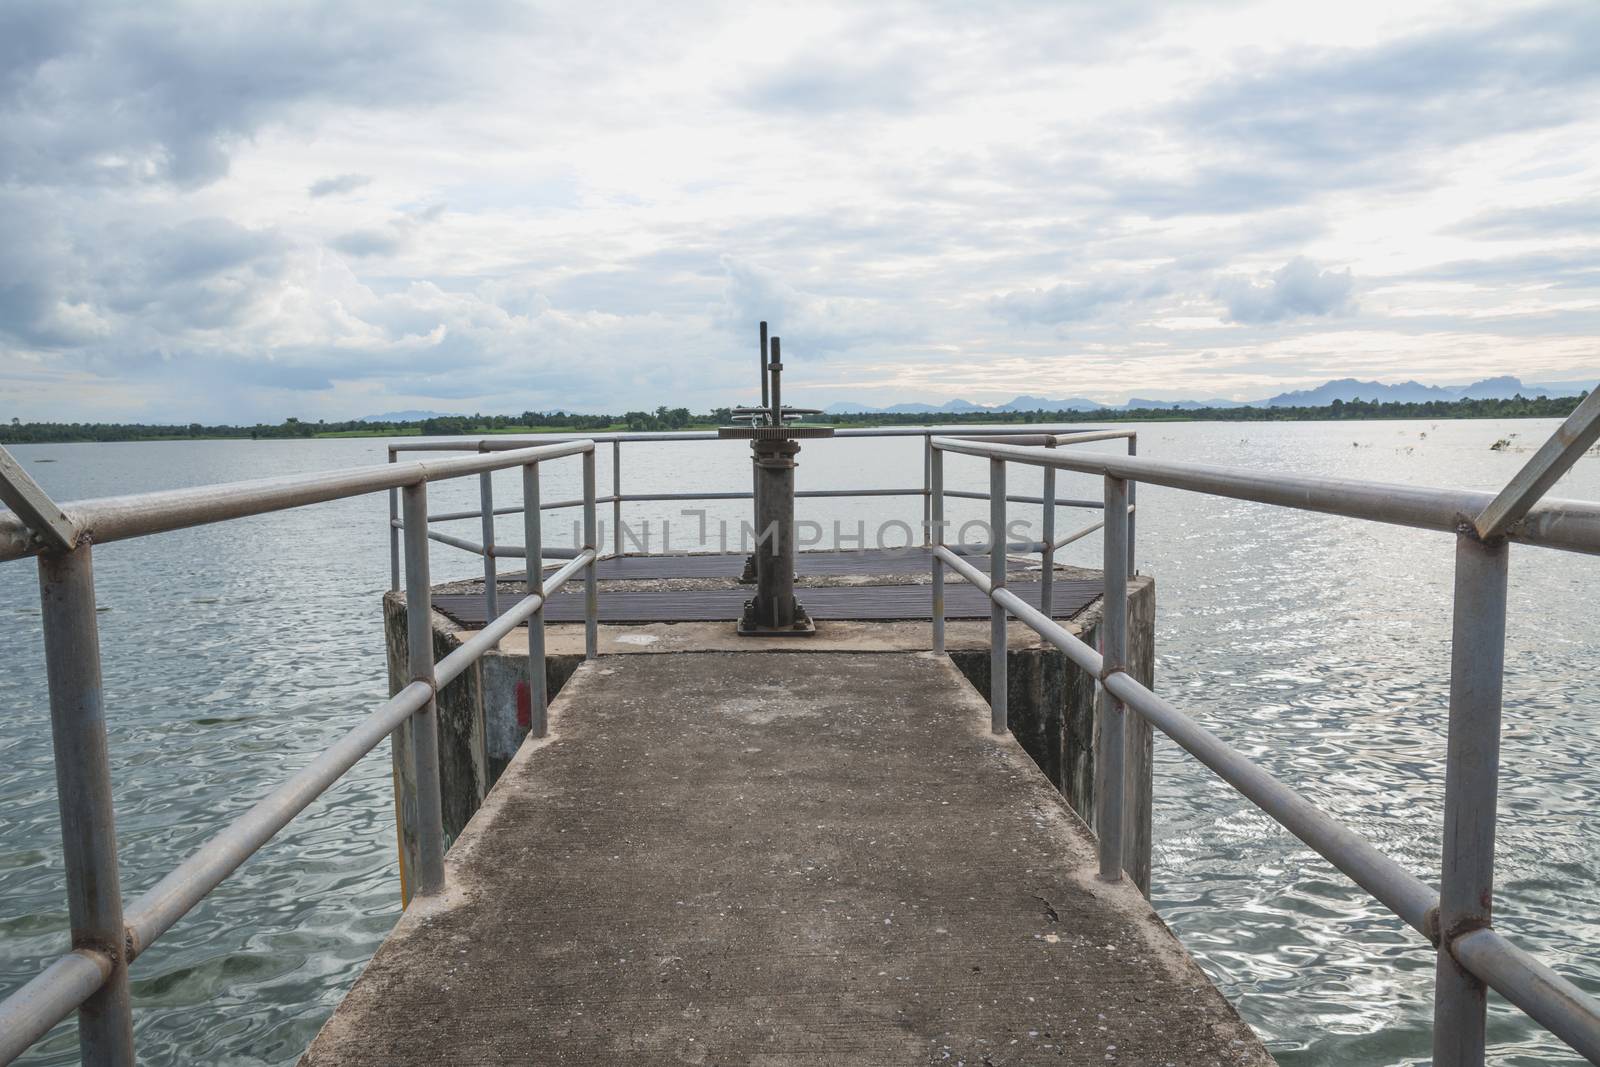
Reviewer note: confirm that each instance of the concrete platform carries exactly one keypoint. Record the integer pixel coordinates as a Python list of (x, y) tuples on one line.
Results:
[(725, 858)]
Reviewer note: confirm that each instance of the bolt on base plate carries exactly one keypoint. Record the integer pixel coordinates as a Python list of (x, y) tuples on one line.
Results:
[(749, 627)]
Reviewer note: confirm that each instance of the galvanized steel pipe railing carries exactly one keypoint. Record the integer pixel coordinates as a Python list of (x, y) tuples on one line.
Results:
[(998, 704), (108, 519), (1564, 524), (486, 509), (1471, 956), (1111, 737), (92, 978)]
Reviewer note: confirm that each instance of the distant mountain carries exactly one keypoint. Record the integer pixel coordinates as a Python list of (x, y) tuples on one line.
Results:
[(1039, 403), (404, 416), (1348, 389)]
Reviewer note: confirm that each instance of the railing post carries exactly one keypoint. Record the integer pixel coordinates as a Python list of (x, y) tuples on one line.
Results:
[(1110, 737), (83, 791), (1471, 784), (491, 591), (394, 534), (425, 723), (533, 537), (997, 580), (1133, 497), (616, 498), (1047, 558), (936, 538), (927, 488), (591, 583)]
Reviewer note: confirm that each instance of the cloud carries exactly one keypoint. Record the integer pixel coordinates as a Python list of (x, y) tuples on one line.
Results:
[(1075, 301), (933, 204), (813, 322), (831, 82), (154, 94), (1296, 290), (337, 185), (1536, 222), (389, 239), (1321, 118)]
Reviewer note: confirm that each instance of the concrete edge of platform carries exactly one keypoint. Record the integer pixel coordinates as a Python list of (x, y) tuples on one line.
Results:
[(1124, 896)]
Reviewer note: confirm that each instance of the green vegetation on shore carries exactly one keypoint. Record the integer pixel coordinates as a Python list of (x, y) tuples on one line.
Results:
[(531, 422)]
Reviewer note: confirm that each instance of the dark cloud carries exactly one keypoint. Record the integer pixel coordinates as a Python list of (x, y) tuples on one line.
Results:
[(387, 240), (1321, 119), (1296, 290), (337, 184), (382, 242), (129, 94)]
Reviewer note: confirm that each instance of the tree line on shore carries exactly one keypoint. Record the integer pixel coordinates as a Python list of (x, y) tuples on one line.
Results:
[(18, 432)]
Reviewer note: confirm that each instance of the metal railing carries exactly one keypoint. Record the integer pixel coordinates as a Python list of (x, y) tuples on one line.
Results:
[(106, 936), (490, 550), (1472, 956)]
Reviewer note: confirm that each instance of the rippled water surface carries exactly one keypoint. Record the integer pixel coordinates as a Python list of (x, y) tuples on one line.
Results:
[(1319, 646)]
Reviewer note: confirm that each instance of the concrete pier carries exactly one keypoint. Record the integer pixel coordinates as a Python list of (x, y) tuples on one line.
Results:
[(813, 857), (1053, 712)]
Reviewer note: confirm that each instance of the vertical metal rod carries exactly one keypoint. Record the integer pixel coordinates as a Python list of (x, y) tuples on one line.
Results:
[(936, 535), (425, 723), (776, 369), (997, 580), (1047, 558), (83, 791), (1111, 737), (533, 538), (927, 488), (394, 534), (616, 498), (763, 367), (491, 591), (1133, 494), (1471, 784), (591, 583)]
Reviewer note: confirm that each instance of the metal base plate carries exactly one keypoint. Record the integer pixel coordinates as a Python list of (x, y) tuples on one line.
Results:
[(802, 627)]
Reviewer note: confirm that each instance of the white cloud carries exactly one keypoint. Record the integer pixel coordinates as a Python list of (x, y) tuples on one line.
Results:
[(240, 215), (1299, 289)]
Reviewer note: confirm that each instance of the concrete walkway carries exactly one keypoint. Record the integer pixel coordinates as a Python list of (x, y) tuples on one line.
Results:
[(731, 858)]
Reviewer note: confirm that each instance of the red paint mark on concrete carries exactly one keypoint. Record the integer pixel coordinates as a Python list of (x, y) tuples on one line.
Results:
[(524, 706)]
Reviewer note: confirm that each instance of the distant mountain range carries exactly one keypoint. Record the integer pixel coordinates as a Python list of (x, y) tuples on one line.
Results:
[(1345, 389)]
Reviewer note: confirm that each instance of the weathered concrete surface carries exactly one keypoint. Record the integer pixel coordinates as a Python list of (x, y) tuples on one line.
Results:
[(1051, 700), (724, 858)]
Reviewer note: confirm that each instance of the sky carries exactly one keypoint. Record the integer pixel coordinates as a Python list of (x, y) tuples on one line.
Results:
[(232, 212)]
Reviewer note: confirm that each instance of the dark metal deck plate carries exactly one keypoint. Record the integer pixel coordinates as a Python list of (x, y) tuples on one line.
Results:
[(731, 565), (772, 433), (831, 603)]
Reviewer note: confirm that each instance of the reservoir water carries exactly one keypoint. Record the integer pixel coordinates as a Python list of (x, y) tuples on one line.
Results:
[(1319, 646)]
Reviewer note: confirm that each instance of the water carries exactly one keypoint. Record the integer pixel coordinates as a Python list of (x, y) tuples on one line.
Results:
[(1318, 646)]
